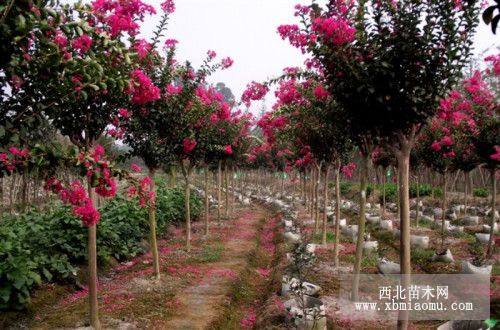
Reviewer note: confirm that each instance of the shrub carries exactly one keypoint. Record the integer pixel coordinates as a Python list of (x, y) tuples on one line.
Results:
[(170, 206), (424, 189), (437, 192), (390, 192), (345, 188), (38, 246), (480, 192)]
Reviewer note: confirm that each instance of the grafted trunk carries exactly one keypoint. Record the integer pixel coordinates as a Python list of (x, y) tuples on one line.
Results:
[(207, 206), (466, 191), (226, 192), (92, 264), (316, 201), (404, 238), (337, 215), (361, 225), (489, 251), (418, 200), (219, 184), (325, 203), (443, 206), (383, 193), (152, 226)]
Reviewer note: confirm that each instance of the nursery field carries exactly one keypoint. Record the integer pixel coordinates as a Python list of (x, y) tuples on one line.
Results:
[(349, 182)]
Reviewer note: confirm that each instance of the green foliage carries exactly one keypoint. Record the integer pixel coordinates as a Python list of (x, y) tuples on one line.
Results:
[(345, 188), (38, 246), (170, 206), (390, 192), (480, 192), (421, 256), (424, 189), (437, 192)]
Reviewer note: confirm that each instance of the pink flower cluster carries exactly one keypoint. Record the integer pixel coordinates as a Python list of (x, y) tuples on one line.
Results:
[(168, 6), (248, 322), (16, 158), (142, 88), (226, 63), (142, 190), (98, 171), (348, 170), (76, 196), (254, 91), (82, 44), (320, 93), (336, 30), (295, 36), (142, 47), (188, 145), (118, 124), (122, 15)]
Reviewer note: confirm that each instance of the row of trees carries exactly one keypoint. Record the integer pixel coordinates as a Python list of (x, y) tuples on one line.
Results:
[(77, 72), (377, 73)]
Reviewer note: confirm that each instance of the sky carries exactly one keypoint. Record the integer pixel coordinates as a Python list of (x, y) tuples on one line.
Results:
[(245, 30)]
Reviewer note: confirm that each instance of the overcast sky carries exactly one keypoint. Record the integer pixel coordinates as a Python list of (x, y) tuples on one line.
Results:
[(245, 30)]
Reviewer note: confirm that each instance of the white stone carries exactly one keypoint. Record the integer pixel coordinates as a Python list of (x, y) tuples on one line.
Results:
[(373, 219), (419, 241), (496, 227), (311, 247), (369, 246), (483, 238), (307, 313), (471, 220), (385, 266), (291, 237), (468, 268), (386, 224)]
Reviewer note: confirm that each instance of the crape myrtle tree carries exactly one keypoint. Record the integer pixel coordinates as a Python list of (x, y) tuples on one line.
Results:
[(437, 153), (187, 110), (485, 89), (87, 77), (227, 137), (382, 157), (141, 125), (387, 64)]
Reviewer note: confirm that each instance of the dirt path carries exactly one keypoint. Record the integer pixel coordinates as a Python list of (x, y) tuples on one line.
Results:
[(202, 302)]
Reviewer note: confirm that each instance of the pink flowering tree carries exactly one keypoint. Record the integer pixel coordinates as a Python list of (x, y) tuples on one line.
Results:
[(367, 70), (87, 77)]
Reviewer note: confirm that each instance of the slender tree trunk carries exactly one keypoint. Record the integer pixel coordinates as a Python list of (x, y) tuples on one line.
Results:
[(207, 206), (404, 211), (383, 193), (313, 183), (24, 191), (1, 199), (219, 184), (418, 200), (466, 191), (443, 215), (152, 225), (489, 251), (325, 203), (92, 255), (316, 202), (361, 225), (186, 170), (337, 215), (226, 192)]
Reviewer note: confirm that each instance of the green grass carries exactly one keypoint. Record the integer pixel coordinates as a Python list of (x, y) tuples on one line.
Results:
[(211, 253), (421, 256)]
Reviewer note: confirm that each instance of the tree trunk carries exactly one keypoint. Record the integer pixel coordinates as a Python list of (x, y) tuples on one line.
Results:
[(226, 192), (337, 215), (383, 193), (316, 201), (186, 170), (361, 224), (152, 225), (325, 203), (207, 206), (418, 200), (92, 255), (489, 251), (404, 238), (1, 199), (466, 192), (219, 195), (443, 215)]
